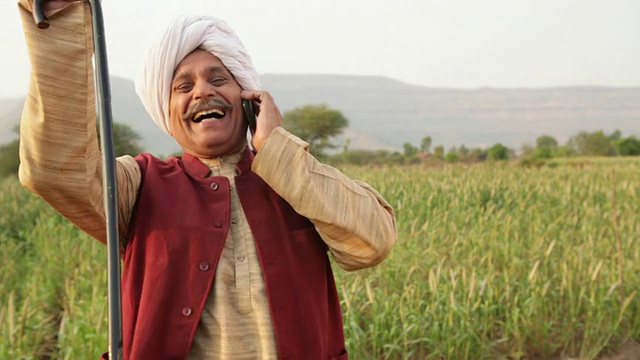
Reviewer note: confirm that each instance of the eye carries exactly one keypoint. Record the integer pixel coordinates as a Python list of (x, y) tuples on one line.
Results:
[(183, 87), (218, 81)]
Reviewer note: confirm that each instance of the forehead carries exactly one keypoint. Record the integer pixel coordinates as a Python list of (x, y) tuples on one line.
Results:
[(198, 61)]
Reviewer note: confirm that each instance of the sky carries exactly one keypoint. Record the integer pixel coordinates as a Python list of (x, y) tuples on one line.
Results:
[(434, 43)]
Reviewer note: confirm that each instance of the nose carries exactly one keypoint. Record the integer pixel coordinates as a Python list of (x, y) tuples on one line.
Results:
[(203, 90)]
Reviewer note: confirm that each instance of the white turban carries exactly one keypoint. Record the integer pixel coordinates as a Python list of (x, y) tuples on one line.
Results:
[(185, 34)]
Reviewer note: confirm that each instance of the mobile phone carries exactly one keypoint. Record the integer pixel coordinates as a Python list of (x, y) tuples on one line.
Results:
[(249, 113)]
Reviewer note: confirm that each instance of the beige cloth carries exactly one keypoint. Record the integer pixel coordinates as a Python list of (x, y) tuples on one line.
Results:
[(60, 161), (235, 323)]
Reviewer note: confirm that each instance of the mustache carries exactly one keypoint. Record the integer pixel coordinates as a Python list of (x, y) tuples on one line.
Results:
[(206, 104)]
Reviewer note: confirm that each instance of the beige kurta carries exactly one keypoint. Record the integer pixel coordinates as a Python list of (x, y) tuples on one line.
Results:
[(60, 161), (235, 322)]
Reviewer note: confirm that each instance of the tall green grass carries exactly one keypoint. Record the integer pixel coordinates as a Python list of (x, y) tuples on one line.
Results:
[(52, 283), (492, 262), (500, 262)]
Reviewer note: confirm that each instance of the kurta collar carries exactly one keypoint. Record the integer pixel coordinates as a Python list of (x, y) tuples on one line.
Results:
[(199, 170)]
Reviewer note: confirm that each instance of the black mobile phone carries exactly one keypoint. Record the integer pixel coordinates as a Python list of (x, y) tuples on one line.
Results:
[(249, 113)]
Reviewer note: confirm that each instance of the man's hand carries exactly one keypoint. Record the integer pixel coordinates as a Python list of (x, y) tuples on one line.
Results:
[(268, 116)]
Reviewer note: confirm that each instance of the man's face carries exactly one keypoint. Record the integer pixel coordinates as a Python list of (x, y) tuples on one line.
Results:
[(205, 108)]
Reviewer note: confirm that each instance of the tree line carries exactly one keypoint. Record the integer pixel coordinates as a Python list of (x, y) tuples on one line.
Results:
[(126, 141), (318, 124), (585, 143)]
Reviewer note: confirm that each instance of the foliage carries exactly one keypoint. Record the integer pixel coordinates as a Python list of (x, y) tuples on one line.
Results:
[(498, 152), (9, 158), (591, 144), (52, 282), (451, 157), (315, 124), (438, 152), (492, 262), (425, 144), (546, 141), (478, 154), (366, 157), (629, 146), (409, 150), (126, 141), (526, 149), (546, 147), (495, 262)]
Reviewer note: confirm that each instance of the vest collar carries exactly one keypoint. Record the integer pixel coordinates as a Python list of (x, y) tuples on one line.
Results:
[(199, 170)]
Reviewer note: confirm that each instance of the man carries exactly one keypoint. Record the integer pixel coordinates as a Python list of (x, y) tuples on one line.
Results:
[(225, 248)]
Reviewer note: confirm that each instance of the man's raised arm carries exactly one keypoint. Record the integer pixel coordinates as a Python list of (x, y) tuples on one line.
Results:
[(59, 155)]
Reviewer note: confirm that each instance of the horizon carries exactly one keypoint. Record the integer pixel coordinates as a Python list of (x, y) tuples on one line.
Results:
[(479, 88)]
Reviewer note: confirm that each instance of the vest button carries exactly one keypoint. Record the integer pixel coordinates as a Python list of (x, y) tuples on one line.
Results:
[(234, 221), (204, 266), (217, 224), (186, 311), (214, 186)]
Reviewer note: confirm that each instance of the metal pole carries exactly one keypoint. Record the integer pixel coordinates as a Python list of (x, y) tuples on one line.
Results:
[(103, 94)]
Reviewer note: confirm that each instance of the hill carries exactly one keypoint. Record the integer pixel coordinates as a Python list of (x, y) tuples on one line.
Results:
[(393, 112), (386, 113)]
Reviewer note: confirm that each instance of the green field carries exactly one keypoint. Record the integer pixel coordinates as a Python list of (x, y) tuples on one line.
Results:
[(492, 262)]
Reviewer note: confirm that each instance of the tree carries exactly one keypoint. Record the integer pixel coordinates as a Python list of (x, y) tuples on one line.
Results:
[(591, 144), (409, 150), (477, 154), (546, 140), (425, 144), (629, 146), (315, 124), (498, 152), (546, 147), (9, 159), (125, 141), (526, 149), (463, 151), (438, 152), (616, 135), (451, 157)]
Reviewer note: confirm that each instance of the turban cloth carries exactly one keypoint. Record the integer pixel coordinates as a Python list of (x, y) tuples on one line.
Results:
[(183, 35)]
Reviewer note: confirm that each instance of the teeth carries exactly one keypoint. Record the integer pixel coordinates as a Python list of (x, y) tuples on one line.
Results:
[(217, 113)]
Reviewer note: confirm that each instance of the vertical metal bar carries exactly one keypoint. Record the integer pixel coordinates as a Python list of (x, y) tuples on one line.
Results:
[(103, 93)]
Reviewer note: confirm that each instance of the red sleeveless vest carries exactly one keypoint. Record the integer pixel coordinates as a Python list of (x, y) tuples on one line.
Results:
[(177, 231)]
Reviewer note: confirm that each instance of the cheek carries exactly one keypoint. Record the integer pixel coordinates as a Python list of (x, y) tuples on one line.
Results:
[(175, 107)]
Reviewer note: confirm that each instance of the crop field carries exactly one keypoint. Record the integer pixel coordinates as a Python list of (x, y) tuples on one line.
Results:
[(493, 261)]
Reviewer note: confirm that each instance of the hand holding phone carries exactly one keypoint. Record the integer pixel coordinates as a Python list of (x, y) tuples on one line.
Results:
[(263, 119)]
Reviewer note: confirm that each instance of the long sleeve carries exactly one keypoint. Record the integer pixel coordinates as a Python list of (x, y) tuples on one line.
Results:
[(59, 155), (354, 220)]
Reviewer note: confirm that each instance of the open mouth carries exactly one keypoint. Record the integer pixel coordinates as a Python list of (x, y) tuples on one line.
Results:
[(209, 114)]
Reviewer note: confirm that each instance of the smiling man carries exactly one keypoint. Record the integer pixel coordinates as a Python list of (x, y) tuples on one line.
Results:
[(201, 107), (225, 247)]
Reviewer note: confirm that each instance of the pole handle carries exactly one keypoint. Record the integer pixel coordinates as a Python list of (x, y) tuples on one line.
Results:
[(42, 22)]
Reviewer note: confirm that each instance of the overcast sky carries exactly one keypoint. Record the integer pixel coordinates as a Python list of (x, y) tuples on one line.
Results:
[(443, 43)]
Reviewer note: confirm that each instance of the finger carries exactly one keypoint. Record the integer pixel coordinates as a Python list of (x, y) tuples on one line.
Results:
[(256, 95)]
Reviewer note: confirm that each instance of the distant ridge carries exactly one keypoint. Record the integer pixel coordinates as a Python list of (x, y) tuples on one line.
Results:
[(385, 113)]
